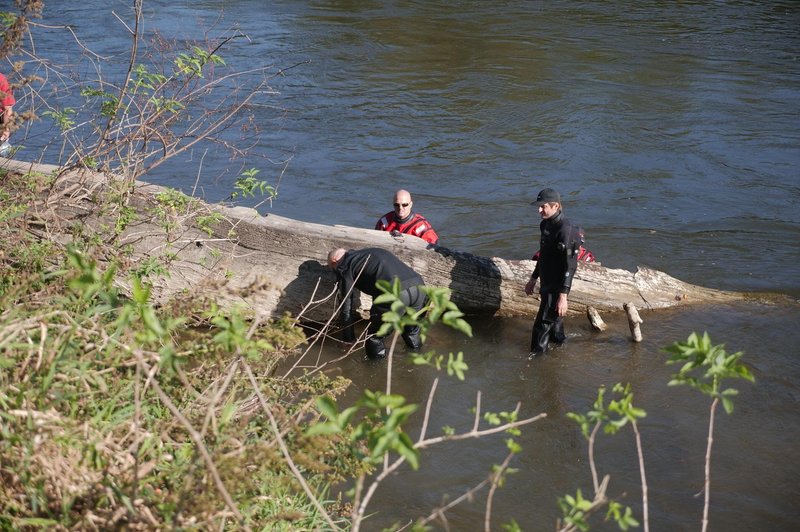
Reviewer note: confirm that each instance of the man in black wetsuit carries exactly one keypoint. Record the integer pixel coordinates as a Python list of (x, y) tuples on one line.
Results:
[(555, 268), (362, 269)]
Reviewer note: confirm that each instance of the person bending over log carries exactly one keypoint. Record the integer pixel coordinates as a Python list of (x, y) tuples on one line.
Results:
[(362, 269), (404, 220), (554, 269)]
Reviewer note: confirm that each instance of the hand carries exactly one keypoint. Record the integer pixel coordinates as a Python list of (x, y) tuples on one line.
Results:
[(530, 286), (561, 305)]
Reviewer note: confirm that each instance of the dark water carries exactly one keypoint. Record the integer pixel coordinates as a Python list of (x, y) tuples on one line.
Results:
[(670, 128)]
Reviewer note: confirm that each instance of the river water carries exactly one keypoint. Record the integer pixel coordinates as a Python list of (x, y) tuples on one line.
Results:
[(671, 130)]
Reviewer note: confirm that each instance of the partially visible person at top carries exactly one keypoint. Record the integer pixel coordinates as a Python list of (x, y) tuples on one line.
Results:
[(404, 220), (361, 269), (7, 102), (558, 260)]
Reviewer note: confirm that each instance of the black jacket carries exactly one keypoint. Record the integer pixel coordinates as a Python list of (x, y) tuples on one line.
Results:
[(557, 263), (377, 264)]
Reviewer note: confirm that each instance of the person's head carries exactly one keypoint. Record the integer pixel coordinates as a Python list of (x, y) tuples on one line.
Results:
[(548, 202), (334, 257), (402, 203)]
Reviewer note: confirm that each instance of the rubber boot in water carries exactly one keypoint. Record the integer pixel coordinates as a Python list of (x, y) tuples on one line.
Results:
[(412, 338), (375, 348)]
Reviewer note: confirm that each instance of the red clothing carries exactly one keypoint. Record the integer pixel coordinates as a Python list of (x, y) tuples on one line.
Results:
[(584, 254), (6, 97), (416, 225)]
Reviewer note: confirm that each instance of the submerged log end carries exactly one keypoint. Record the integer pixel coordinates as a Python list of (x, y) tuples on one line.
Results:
[(594, 319), (634, 321)]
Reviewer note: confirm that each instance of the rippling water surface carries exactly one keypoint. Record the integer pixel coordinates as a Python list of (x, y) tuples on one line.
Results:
[(670, 128)]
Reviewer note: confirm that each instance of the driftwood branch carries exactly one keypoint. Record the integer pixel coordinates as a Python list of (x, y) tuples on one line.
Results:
[(594, 319), (634, 321)]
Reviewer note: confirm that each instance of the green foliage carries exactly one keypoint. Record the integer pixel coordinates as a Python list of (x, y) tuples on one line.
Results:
[(193, 64), (624, 408), (169, 105), (596, 416), (439, 308), (704, 366), (380, 428), (205, 222), (102, 393), (622, 515), (173, 199), (170, 204), (63, 118), (575, 510), (109, 102), (93, 291), (283, 333), (601, 415), (126, 216), (149, 81), (619, 412), (233, 334), (71, 422), (247, 185), (455, 363), (496, 418), (150, 266), (7, 19)]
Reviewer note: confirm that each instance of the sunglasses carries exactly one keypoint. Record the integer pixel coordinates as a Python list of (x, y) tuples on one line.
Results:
[(401, 205)]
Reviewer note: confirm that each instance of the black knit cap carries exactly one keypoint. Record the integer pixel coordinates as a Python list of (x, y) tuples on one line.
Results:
[(547, 195)]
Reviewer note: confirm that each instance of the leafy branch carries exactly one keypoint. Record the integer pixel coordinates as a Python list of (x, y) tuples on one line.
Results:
[(704, 366)]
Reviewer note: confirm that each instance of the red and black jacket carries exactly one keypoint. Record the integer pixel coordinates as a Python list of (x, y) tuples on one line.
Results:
[(414, 224)]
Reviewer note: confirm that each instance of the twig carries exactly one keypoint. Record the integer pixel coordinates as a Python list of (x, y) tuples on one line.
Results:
[(358, 514), (479, 433), (592, 464), (707, 484), (336, 311), (428, 409), (218, 395), (599, 500), (495, 480), (645, 516), (477, 419)]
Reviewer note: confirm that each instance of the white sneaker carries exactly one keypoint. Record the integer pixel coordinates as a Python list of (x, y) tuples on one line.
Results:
[(5, 149)]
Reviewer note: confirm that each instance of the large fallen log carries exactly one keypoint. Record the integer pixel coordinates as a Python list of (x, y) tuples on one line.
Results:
[(273, 265)]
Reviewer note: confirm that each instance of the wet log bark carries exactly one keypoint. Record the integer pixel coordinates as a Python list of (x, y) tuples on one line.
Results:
[(272, 265)]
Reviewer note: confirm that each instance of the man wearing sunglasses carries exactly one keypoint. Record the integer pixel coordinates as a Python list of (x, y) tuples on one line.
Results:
[(404, 220)]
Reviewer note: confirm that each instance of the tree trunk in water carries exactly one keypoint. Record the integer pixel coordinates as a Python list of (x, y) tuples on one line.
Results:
[(272, 265)]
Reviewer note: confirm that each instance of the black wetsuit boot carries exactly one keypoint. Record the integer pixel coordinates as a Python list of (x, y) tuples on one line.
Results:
[(548, 325)]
